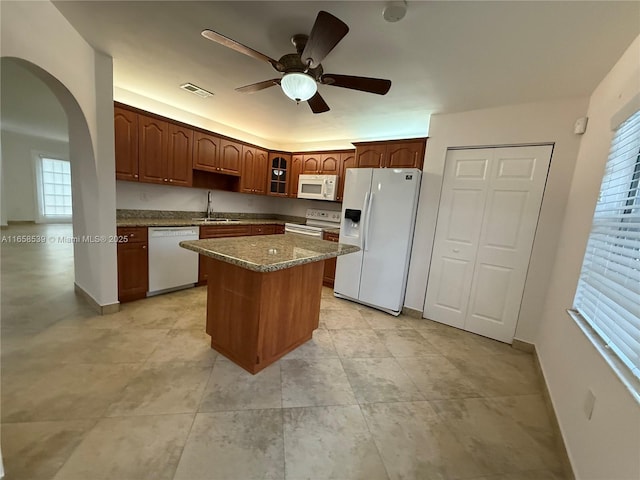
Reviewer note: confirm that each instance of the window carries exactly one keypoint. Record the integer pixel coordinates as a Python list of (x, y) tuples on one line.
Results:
[(54, 189), (608, 294)]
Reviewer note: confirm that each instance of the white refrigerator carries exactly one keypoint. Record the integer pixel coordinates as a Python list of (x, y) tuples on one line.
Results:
[(378, 215)]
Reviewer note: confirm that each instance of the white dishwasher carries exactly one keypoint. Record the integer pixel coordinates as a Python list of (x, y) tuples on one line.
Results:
[(171, 266)]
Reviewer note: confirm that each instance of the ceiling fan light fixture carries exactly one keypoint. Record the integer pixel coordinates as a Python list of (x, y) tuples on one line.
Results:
[(298, 86)]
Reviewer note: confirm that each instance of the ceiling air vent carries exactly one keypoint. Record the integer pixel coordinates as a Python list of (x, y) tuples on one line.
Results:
[(190, 87)]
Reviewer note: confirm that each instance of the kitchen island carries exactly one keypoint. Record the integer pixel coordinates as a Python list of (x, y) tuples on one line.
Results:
[(263, 297)]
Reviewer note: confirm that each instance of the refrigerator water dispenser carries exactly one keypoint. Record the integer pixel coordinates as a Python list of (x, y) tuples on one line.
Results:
[(351, 225)]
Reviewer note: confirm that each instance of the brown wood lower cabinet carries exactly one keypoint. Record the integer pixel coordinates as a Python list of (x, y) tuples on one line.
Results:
[(329, 276), (221, 231), (133, 263)]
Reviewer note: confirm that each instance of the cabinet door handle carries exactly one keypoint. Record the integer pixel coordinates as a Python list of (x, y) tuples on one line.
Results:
[(135, 175), (171, 180), (144, 247)]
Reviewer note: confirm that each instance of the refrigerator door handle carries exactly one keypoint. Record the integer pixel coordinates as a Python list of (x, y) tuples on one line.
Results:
[(364, 220), (368, 218)]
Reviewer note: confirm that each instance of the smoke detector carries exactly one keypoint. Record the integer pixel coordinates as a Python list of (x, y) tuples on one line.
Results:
[(395, 11), (196, 90)]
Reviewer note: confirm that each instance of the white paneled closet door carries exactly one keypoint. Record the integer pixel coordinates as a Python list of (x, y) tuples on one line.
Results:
[(487, 219)]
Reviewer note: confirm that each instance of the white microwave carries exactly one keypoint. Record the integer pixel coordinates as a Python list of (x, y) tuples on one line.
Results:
[(318, 187)]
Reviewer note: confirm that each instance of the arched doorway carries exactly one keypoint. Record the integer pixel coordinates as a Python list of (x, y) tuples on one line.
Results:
[(90, 211)]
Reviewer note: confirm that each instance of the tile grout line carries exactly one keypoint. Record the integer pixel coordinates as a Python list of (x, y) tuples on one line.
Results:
[(193, 421), (372, 439)]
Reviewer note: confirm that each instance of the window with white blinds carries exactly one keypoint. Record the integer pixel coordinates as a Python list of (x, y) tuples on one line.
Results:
[(608, 295)]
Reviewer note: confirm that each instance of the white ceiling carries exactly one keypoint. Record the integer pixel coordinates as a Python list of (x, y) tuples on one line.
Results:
[(442, 57)]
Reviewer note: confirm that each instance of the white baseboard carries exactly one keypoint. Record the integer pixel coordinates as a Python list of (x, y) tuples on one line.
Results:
[(101, 309)]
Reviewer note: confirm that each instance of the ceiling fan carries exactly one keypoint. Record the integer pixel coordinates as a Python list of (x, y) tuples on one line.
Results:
[(302, 71)]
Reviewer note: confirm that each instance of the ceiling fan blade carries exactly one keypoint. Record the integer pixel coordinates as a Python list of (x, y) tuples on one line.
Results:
[(238, 47), (327, 31), (317, 104), (256, 87), (364, 84)]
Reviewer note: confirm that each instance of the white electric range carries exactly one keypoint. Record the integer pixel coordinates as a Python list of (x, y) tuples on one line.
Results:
[(317, 222)]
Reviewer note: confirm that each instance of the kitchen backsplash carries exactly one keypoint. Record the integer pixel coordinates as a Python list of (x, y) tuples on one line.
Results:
[(162, 198)]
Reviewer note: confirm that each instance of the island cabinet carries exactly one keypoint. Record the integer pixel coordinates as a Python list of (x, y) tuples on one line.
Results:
[(126, 144), (329, 275), (248, 319), (391, 153), (263, 294), (133, 263), (278, 174), (254, 170)]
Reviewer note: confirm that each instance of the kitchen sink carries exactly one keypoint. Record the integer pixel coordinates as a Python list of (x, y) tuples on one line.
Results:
[(213, 219)]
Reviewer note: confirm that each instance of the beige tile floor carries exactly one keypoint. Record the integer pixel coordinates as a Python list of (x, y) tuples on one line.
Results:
[(140, 395)]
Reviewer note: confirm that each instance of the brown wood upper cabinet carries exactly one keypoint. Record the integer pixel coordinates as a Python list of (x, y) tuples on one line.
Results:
[(347, 160), (278, 174), (230, 157), (179, 169), (254, 170), (391, 154), (206, 150), (322, 163), (212, 153), (311, 163), (370, 155), (330, 163), (294, 172), (153, 137), (126, 144), (152, 149), (164, 152)]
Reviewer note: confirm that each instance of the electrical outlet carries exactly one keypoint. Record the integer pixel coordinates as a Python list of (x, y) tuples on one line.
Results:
[(589, 404)]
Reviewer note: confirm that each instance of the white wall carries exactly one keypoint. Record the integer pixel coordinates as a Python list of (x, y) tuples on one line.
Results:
[(81, 79), (607, 446), (544, 122), (19, 173)]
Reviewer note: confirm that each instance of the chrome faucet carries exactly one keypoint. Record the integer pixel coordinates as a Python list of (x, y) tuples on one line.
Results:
[(209, 204)]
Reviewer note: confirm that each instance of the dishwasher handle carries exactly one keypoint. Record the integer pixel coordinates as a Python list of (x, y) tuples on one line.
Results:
[(174, 232)]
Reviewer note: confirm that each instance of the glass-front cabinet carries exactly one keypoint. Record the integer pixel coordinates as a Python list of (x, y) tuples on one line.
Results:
[(279, 173)]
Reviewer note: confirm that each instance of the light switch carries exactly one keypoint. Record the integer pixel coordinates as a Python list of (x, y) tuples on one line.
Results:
[(580, 126)]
